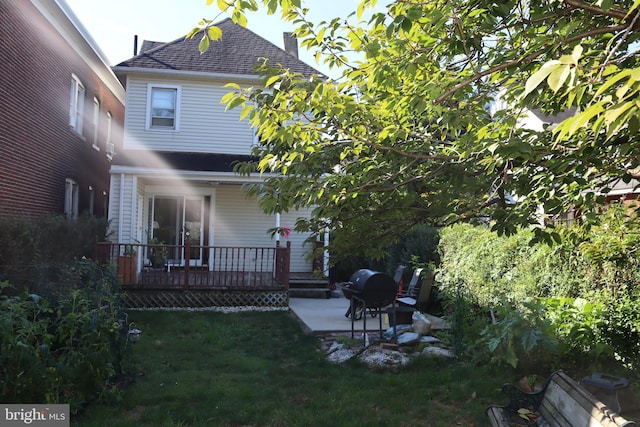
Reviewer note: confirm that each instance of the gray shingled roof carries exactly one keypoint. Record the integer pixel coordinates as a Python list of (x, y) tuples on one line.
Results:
[(236, 52)]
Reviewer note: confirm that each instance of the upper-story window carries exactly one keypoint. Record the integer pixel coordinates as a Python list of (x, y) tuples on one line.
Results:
[(163, 107), (76, 104), (109, 147), (95, 119)]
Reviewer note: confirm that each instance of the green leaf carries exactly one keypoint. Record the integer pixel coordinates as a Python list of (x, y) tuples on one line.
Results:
[(234, 103), (612, 114), (204, 44), (245, 111), (611, 81), (538, 77), (215, 33), (557, 78), (271, 80), (476, 12)]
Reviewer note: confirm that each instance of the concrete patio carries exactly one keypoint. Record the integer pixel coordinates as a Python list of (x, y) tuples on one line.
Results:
[(320, 316)]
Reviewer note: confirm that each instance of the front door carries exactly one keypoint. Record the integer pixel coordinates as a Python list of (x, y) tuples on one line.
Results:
[(175, 219)]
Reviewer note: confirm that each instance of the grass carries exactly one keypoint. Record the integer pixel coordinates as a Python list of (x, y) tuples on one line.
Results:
[(260, 369)]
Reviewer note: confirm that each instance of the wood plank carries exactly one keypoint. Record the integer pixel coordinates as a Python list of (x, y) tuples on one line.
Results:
[(497, 416), (567, 404)]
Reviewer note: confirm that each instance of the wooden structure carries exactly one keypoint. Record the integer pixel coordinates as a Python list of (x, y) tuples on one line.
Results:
[(233, 276), (561, 403)]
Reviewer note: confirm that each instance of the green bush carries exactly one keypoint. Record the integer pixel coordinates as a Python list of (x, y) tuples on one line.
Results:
[(579, 325), (417, 247), (586, 285), (34, 252), (62, 351), (522, 337)]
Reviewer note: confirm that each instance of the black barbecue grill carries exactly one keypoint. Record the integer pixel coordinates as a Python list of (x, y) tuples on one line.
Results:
[(369, 291)]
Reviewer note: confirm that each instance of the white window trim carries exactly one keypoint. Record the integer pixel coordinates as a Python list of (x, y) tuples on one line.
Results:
[(92, 197), (176, 123), (76, 104), (109, 147), (96, 123), (71, 191)]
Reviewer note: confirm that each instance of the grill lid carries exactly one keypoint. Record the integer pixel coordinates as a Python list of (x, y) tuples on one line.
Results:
[(375, 288)]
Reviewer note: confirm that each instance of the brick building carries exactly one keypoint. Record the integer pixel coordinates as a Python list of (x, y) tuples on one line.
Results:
[(63, 113)]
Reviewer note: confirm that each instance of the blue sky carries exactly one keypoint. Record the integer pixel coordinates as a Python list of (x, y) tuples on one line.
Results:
[(113, 23)]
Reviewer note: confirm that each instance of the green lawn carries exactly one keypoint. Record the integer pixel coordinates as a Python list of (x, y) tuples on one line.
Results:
[(260, 369)]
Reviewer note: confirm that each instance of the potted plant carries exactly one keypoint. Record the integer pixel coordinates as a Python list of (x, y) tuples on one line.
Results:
[(157, 254), (128, 266)]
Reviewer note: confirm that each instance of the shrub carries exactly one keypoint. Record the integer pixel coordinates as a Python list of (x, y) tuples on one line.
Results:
[(580, 326), (62, 351), (35, 251), (522, 337), (417, 247), (586, 286)]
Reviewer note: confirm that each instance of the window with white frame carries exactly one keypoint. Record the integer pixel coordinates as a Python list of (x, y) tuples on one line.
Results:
[(92, 198), (71, 198), (109, 147), (95, 122), (163, 107), (76, 104)]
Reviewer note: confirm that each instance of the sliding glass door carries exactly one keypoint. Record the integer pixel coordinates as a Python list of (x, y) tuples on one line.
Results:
[(175, 219)]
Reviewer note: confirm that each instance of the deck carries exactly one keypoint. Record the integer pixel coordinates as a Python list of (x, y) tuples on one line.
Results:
[(216, 276)]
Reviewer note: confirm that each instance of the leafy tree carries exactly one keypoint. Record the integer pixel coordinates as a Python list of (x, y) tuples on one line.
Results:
[(407, 135)]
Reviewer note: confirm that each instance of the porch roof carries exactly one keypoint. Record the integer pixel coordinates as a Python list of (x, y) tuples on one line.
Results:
[(198, 162)]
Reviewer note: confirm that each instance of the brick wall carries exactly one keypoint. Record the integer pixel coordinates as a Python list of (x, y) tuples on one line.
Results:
[(38, 150)]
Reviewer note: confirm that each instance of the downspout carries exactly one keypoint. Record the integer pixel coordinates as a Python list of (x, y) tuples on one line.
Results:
[(278, 227)]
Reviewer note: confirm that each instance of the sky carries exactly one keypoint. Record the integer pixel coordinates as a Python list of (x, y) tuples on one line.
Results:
[(114, 23)]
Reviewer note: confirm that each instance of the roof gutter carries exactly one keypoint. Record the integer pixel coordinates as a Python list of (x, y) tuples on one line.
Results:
[(182, 175), (239, 78)]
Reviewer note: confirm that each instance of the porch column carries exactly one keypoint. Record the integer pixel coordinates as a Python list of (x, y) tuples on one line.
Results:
[(121, 208), (326, 252)]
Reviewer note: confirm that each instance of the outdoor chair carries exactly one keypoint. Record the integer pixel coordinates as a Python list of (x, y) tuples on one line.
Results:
[(397, 276), (409, 296)]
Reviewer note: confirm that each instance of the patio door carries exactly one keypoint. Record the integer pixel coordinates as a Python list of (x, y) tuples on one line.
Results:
[(175, 219)]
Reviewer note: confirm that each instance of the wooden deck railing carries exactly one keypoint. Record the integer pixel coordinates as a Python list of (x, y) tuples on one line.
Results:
[(152, 266)]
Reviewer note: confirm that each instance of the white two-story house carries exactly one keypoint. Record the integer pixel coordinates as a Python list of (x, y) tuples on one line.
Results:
[(174, 179)]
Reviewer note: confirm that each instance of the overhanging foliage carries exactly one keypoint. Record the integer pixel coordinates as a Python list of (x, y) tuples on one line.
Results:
[(406, 137)]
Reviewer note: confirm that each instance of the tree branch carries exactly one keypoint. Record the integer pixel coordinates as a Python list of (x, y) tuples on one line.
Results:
[(613, 12), (526, 59)]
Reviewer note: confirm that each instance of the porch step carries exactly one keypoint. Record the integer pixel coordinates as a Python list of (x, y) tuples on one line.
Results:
[(308, 292), (305, 285), (308, 283)]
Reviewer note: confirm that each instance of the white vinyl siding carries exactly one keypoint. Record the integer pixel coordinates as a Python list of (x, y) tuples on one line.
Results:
[(299, 249), (121, 228), (204, 125), (239, 221)]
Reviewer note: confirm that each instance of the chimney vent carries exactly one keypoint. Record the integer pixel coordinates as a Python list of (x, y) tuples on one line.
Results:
[(135, 45), (290, 44)]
